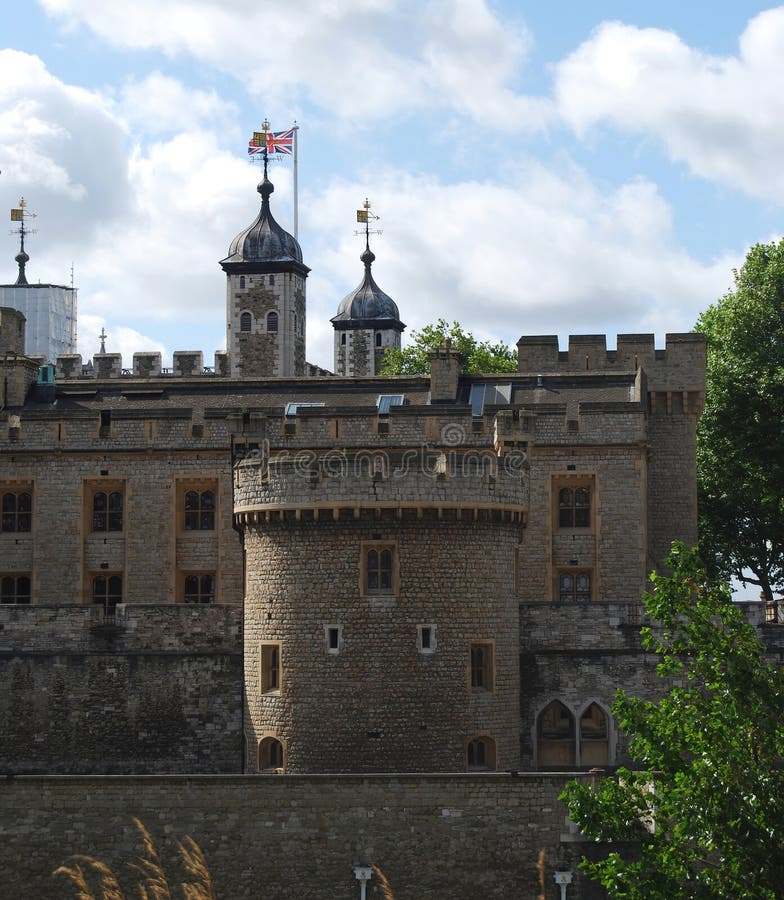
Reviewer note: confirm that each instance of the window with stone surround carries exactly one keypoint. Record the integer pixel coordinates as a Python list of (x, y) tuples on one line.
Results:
[(15, 587), (198, 587), (246, 322), (480, 753), (482, 665), (333, 637), (379, 568), (573, 501), (107, 504), (575, 585), (556, 736), (426, 638), (272, 322), (271, 755), (566, 740), (17, 510), (271, 669), (198, 505), (107, 590)]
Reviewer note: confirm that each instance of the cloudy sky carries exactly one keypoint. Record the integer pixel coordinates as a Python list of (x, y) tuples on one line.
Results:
[(538, 168)]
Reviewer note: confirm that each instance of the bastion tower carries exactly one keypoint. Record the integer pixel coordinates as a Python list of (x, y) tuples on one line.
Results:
[(381, 621), (265, 298)]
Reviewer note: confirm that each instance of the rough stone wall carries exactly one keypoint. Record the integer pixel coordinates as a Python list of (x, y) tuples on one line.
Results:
[(379, 704), (12, 331), (300, 836), (672, 481), (360, 354), (157, 691)]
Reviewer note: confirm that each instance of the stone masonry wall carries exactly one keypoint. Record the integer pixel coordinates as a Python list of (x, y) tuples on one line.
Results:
[(159, 691), (379, 703), (294, 837)]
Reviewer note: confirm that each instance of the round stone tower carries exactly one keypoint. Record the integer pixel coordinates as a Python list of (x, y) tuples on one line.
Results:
[(367, 324), (380, 614), (265, 298)]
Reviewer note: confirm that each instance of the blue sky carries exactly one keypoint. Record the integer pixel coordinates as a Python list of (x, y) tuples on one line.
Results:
[(561, 168)]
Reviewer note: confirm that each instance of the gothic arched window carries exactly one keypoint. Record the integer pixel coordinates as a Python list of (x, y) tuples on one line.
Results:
[(556, 736)]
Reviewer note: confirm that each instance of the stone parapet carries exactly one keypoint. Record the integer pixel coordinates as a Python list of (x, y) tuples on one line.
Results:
[(414, 479)]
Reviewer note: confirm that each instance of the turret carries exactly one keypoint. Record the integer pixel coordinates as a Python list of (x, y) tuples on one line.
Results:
[(265, 298)]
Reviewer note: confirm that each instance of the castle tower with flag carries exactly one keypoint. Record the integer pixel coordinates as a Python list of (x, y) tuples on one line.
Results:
[(265, 297)]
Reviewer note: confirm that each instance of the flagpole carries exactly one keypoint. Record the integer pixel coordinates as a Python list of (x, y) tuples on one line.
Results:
[(294, 192)]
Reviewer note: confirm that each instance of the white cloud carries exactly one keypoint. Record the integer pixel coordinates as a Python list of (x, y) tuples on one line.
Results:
[(550, 253), (357, 59), (163, 105), (721, 116)]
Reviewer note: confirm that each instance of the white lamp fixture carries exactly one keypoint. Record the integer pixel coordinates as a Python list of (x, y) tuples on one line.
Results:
[(562, 879), (363, 874)]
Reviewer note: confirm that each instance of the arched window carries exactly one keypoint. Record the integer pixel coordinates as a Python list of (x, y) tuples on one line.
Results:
[(108, 511), (270, 754), (379, 571), (480, 753), (378, 338), (594, 747), (574, 507), (246, 321), (242, 281), (107, 591), (17, 511), (555, 736), (15, 589), (272, 321), (199, 510)]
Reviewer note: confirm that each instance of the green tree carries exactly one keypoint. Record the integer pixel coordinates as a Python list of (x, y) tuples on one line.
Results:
[(705, 810), (740, 445), (479, 357)]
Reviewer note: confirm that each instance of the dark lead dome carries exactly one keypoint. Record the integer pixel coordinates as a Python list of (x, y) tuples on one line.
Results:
[(368, 301), (264, 241)]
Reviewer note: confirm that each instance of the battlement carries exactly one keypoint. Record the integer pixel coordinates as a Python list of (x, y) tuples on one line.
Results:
[(471, 484), (185, 364), (681, 365)]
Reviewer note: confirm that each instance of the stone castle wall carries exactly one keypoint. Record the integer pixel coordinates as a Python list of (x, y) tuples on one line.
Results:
[(433, 837), (378, 702), (157, 690)]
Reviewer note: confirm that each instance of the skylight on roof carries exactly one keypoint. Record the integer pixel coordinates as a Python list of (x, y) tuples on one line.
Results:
[(293, 408), (386, 400)]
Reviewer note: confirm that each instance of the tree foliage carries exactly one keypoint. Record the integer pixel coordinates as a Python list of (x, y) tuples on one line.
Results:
[(740, 447), (705, 810), (481, 357)]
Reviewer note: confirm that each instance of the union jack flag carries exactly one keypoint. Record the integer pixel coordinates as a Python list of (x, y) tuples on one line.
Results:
[(274, 141)]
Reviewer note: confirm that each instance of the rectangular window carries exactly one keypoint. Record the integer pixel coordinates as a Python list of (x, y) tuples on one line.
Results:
[(482, 670), (16, 505), (334, 638), (379, 567), (270, 668), (15, 588), (574, 586), (426, 638), (574, 498), (106, 507), (199, 587), (197, 505), (107, 590)]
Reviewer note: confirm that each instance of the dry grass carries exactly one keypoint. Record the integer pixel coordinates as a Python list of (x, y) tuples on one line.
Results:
[(540, 870), (94, 880), (383, 883)]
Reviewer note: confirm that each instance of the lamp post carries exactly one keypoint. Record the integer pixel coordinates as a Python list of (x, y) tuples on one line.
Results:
[(363, 874), (562, 879)]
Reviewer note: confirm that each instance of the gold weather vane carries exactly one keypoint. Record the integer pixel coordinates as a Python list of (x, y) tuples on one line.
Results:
[(365, 216), (19, 214)]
